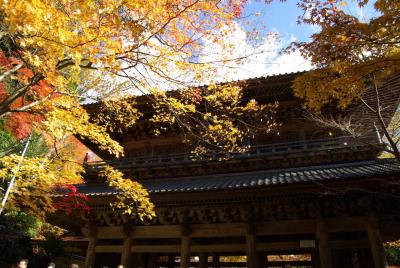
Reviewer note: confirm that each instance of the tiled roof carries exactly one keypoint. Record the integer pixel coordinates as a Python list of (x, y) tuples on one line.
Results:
[(311, 174)]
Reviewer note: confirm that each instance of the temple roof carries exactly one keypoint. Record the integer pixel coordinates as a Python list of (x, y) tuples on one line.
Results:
[(259, 179)]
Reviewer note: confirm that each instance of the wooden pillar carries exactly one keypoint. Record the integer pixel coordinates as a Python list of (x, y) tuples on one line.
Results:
[(375, 240), (251, 250), (203, 260), (91, 233), (185, 246), (323, 245), (126, 255)]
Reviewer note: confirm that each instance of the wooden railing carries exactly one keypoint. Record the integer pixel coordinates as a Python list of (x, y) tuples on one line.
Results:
[(253, 152)]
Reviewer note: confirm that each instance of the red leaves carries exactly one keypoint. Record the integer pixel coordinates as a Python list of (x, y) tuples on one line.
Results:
[(72, 200), (19, 123)]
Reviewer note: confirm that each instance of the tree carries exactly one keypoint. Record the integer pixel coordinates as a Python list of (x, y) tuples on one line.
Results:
[(57, 54), (353, 59)]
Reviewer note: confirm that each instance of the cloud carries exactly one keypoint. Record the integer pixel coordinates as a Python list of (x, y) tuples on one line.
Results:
[(288, 63), (257, 60)]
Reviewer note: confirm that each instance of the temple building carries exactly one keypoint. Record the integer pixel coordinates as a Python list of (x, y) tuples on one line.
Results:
[(310, 192)]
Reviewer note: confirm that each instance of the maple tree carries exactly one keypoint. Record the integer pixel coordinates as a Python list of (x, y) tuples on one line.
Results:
[(350, 56), (57, 54)]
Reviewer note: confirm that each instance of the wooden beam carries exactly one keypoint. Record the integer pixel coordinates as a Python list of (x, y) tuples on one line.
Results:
[(346, 224), (217, 230), (273, 246), (323, 245), (219, 248), (156, 248), (238, 248), (338, 244), (230, 248), (377, 249), (109, 248), (285, 227), (110, 232)]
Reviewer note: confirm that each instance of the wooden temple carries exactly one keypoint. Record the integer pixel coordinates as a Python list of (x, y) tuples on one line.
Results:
[(308, 191)]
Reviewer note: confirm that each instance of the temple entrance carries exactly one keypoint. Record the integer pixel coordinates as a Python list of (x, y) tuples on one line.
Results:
[(294, 243), (169, 260)]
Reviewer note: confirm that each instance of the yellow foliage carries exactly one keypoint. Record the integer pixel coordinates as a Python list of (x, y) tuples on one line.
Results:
[(109, 34), (67, 117), (132, 197), (36, 180), (348, 53), (139, 39), (117, 115), (215, 118)]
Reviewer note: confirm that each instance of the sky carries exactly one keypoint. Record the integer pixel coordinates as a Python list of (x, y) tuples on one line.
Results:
[(277, 24), (280, 17)]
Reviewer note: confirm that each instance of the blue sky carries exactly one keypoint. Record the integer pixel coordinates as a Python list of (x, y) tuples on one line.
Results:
[(280, 18)]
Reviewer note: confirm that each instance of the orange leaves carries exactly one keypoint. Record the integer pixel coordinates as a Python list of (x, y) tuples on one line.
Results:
[(20, 121), (24, 74), (3, 91), (42, 89), (20, 124), (78, 150)]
